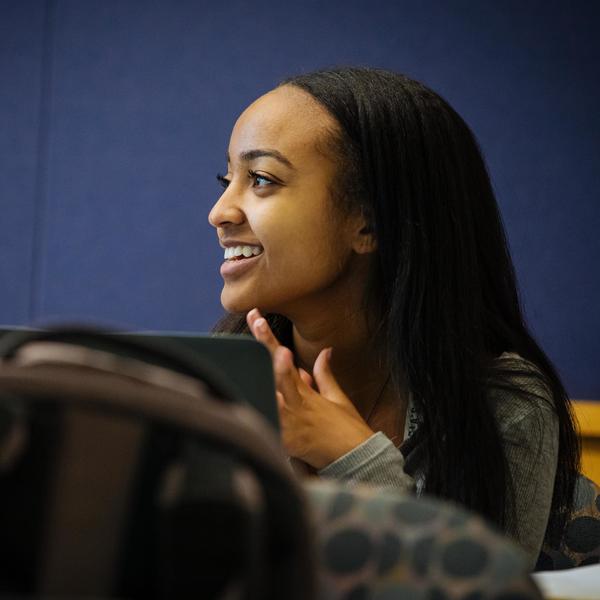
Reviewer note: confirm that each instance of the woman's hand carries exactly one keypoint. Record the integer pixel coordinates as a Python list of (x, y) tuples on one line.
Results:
[(319, 423)]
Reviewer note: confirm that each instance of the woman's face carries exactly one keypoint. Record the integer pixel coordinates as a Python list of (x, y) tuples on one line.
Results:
[(276, 205)]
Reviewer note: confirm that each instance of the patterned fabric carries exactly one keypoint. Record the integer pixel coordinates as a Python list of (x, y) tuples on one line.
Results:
[(581, 541), (383, 546), (412, 419)]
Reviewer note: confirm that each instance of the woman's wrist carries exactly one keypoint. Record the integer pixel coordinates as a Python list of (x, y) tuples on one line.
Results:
[(341, 443)]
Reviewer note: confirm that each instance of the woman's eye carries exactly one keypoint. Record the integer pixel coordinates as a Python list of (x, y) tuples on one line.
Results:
[(259, 180), (223, 181)]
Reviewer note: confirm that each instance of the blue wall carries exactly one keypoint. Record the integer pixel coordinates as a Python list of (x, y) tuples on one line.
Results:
[(115, 117)]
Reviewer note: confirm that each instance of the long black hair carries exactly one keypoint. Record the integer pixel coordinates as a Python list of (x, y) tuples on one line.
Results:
[(444, 290)]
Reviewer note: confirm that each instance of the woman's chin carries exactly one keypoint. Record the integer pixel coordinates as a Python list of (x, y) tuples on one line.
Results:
[(242, 303), (237, 303)]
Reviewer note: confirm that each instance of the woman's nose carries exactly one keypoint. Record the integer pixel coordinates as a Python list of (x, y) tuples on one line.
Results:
[(226, 211)]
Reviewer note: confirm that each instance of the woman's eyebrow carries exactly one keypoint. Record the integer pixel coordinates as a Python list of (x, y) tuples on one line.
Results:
[(250, 155)]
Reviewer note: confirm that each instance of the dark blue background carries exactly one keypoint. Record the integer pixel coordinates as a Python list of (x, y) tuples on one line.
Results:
[(115, 117)]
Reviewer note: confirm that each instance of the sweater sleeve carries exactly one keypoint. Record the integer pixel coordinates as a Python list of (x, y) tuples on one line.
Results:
[(376, 462), (528, 428)]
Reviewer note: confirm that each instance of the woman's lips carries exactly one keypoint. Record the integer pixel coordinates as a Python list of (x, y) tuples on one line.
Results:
[(234, 268)]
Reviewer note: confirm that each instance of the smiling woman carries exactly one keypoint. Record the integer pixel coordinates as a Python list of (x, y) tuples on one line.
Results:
[(277, 198), (357, 216)]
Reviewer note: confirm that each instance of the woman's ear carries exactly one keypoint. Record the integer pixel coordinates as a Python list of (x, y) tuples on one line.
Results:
[(364, 240)]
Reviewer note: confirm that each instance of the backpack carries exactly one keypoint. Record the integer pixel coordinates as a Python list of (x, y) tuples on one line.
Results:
[(132, 470)]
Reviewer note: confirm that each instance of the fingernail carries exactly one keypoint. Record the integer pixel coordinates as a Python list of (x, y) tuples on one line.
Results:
[(329, 354), (261, 325)]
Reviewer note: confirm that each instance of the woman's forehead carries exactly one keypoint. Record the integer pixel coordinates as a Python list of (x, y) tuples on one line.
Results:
[(286, 119)]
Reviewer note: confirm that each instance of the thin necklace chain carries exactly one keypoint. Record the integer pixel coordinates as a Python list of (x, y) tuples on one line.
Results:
[(396, 439), (379, 396)]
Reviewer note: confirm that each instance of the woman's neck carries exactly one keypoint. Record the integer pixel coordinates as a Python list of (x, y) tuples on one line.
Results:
[(356, 362), (340, 318)]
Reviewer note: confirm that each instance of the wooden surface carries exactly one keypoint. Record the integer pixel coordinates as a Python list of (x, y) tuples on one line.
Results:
[(588, 417)]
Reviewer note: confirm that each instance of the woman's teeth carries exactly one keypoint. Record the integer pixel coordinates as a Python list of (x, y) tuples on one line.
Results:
[(239, 252)]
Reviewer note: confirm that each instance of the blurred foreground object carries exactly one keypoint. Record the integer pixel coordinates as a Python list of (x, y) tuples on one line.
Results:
[(141, 477)]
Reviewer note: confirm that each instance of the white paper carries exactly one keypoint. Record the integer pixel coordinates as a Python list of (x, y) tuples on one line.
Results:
[(581, 583)]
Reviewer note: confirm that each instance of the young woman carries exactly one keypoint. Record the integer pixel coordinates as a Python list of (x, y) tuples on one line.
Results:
[(364, 247)]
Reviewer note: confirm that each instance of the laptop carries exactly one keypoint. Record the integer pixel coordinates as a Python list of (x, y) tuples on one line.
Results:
[(243, 363)]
